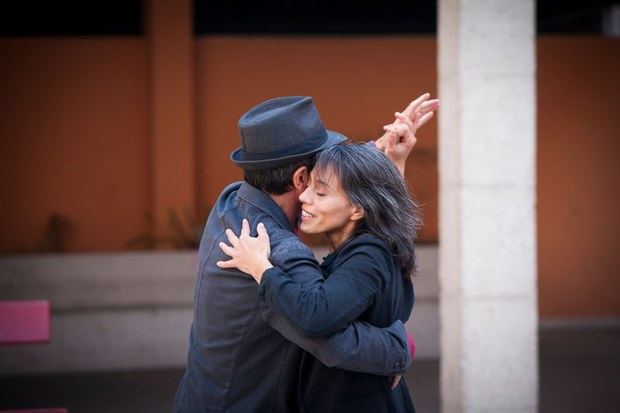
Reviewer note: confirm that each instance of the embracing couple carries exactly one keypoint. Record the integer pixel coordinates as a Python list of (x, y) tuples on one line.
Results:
[(274, 330)]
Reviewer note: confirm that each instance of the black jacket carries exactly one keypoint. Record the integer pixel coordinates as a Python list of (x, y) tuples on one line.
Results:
[(243, 357), (361, 283)]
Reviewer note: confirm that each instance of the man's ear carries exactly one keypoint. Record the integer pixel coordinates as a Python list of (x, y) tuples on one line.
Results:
[(358, 213), (300, 178)]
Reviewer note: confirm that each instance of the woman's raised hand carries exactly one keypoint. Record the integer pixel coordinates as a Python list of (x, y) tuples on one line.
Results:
[(248, 254), (398, 140)]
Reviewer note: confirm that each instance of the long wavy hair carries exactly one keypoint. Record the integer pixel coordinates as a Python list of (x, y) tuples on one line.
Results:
[(372, 182)]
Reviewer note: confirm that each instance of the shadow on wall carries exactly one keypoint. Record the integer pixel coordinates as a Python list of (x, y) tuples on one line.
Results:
[(182, 231), (59, 232)]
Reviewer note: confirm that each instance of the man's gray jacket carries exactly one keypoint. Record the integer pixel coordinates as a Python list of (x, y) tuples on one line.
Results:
[(242, 356)]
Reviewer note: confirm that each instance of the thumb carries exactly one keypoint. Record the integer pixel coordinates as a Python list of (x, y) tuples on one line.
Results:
[(226, 264)]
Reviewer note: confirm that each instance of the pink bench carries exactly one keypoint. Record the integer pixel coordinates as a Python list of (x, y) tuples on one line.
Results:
[(36, 411), (26, 322)]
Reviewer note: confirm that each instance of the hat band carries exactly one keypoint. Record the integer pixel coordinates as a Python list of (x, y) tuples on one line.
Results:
[(309, 145)]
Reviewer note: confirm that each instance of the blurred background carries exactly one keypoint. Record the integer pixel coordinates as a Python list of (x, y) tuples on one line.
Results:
[(116, 122)]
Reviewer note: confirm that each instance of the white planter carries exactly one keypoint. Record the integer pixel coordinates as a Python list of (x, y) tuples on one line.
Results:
[(127, 311), (109, 311)]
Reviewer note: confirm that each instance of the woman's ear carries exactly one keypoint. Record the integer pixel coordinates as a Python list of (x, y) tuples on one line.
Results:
[(358, 213), (300, 178)]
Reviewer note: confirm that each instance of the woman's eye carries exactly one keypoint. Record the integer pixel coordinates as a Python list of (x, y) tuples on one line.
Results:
[(320, 194)]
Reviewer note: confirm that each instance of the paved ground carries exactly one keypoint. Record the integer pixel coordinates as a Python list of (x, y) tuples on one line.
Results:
[(580, 372)]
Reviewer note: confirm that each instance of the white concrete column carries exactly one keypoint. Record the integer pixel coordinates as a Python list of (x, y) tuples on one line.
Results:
[(487, 263)]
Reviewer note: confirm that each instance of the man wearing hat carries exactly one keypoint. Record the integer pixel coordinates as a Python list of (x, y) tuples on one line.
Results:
[(242, 356)]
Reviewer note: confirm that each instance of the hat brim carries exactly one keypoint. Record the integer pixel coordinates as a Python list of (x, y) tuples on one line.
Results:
[(238, 155)]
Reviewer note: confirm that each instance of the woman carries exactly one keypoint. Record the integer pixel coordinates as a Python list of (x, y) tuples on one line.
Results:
[(360, 201)]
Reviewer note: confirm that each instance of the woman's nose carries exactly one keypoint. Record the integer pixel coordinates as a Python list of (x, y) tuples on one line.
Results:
[(304, 197)]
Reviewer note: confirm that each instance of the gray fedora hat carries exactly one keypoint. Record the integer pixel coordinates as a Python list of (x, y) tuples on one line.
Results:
[(280, 131)]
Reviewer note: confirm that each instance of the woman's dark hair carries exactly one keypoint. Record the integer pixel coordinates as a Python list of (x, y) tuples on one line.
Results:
[(278, 180), (372, 182)]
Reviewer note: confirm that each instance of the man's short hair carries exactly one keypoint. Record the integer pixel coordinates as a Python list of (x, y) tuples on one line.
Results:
[(278, 180)]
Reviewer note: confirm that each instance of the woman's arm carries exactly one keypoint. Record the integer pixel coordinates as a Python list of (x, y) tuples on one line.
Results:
[(321, 307), (327, 306)]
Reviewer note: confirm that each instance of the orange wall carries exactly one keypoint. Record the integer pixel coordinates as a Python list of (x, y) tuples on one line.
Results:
[(356, 83), (578, 176), (74, 137), (73, 141)]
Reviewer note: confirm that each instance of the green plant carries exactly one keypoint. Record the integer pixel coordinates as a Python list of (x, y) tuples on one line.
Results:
[(179, 232)]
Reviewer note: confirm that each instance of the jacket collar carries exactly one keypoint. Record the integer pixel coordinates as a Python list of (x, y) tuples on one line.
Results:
[(265, 203)]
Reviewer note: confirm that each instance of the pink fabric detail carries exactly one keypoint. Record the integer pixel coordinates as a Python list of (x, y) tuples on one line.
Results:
[(411, 345), (53, 410), (24, 322)]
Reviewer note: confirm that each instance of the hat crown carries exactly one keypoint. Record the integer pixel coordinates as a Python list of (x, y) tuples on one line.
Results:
[(278, 124), (281, 131)]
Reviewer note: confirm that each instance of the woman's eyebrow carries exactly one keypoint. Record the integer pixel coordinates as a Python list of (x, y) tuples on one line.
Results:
[(323, 183)]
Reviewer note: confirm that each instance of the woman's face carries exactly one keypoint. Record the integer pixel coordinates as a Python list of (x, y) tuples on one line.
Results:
[(327, 209)]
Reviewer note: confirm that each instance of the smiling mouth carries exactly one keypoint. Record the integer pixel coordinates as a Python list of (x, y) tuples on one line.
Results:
[(306, 215)]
